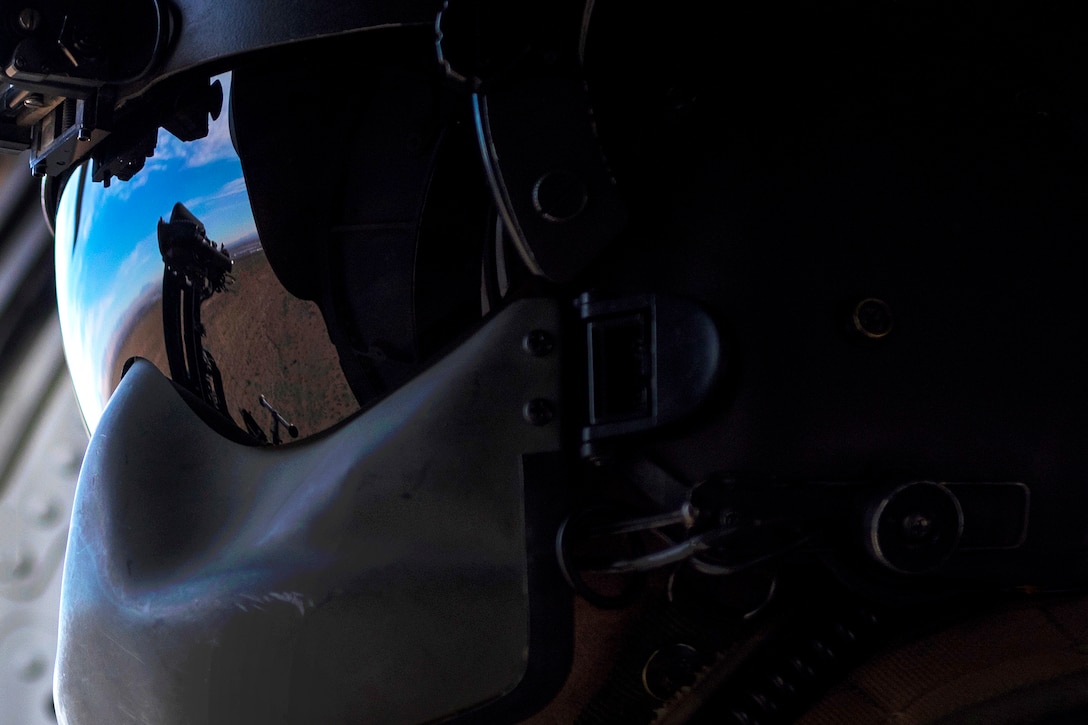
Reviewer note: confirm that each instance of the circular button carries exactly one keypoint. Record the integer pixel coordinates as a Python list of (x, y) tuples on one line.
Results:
[(915, 527), (872, 318)]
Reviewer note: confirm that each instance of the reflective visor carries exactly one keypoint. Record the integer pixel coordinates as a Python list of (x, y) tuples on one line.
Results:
[(264, 354)]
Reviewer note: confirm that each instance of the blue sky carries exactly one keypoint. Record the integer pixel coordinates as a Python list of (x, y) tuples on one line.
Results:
[(115, 263)]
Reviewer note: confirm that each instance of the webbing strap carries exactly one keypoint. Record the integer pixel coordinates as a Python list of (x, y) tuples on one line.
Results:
[(1013, 665)]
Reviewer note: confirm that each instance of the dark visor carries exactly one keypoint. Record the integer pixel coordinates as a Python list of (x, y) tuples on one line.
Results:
[(181, 238), (286, 289)]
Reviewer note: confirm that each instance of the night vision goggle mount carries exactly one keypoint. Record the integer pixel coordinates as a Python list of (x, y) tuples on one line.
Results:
[(97, 78), (69, 68)]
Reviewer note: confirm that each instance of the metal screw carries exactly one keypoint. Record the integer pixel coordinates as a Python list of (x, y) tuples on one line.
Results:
[(917, 526), (538, 411), (873, 318), (538, 343), (34, 100), (670, 668), (559, 196), (29, 18)]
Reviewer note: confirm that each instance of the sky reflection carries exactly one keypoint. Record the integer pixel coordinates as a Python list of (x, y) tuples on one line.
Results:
[(108, 264)]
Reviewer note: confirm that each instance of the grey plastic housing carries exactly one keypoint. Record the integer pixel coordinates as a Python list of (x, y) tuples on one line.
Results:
[(379, 573)]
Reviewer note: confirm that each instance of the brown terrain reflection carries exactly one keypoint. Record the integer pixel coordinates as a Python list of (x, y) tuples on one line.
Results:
[(265, 342)]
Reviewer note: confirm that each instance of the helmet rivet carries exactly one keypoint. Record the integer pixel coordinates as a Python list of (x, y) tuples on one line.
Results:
[(559, 196), (670, 668), (872, 318), (538, 411), (538, 343)]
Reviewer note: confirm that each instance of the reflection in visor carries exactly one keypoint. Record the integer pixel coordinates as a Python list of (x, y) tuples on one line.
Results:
[(241, 343), (195, 269)]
